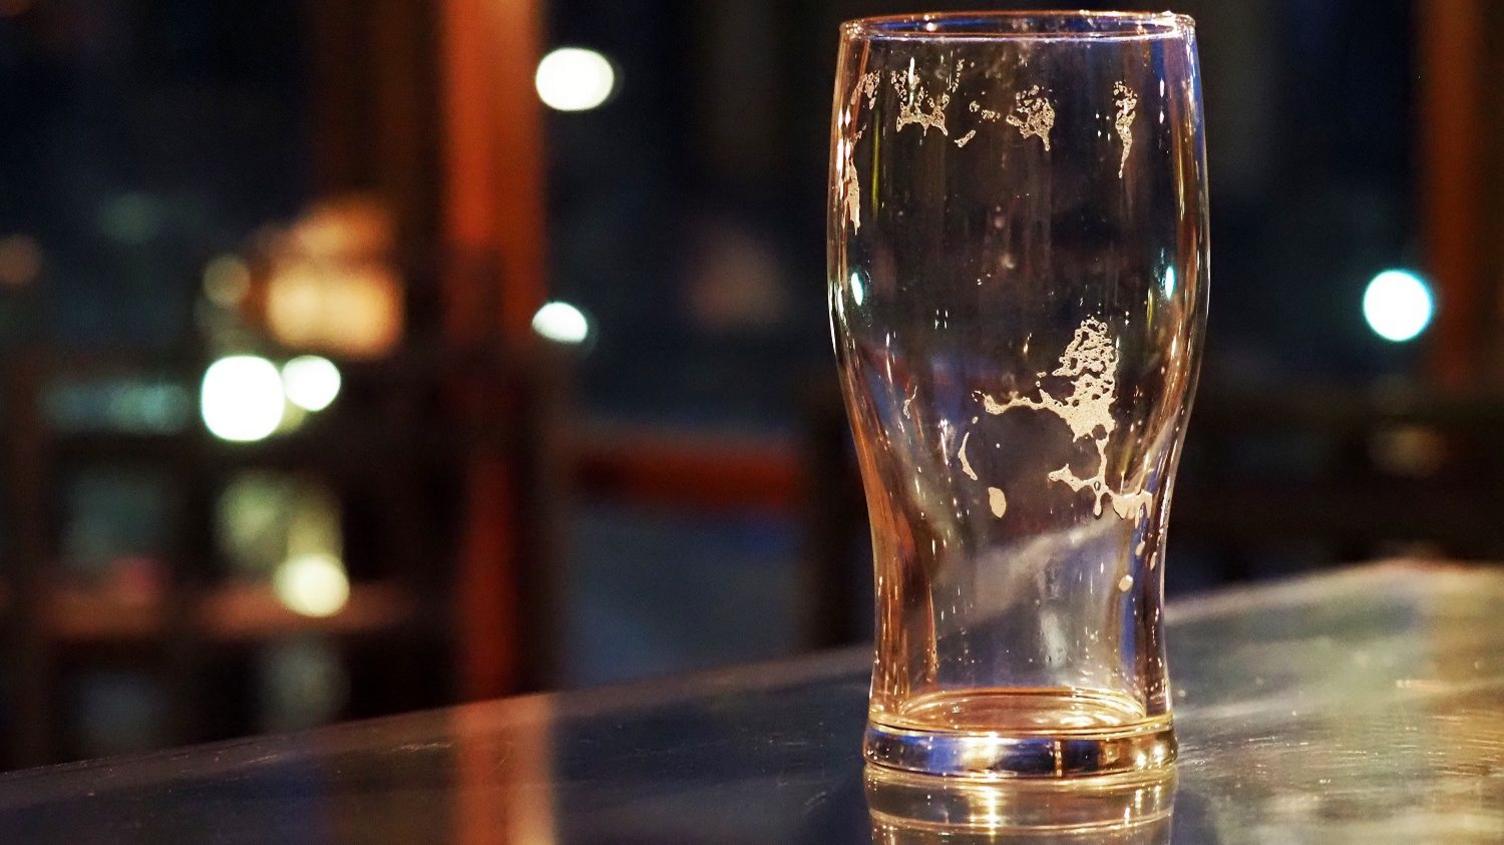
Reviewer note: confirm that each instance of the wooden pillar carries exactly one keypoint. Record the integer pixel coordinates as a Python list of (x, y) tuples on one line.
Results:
[(1451, 52), (493, 231), (494, 165), (31, 722)]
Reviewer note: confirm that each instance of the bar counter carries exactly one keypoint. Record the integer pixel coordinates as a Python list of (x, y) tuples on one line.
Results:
[(1364, 705)]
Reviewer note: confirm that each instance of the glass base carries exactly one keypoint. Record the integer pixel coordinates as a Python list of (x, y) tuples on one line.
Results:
[(994, 734)]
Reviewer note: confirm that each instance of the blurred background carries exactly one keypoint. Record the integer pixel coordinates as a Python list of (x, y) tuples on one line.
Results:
[(367, 355)]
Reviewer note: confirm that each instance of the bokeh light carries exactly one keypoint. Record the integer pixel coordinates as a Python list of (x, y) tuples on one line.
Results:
[(132, 218), (312, 584), (1398, 305), (574, 79), (311, 382), (227, 281), (241, 398), (561, 323)]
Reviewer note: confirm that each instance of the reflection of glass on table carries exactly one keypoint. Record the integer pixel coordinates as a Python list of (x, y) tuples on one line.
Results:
[(1128, 808)]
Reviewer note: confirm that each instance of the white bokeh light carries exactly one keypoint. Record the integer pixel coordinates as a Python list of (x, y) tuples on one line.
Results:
[(1398, 305), (311, 382), (574, 79), (312, 584), (241, 398), (561, 323)]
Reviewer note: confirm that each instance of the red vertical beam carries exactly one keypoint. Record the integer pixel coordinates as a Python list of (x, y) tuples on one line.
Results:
[(1451, 55), (495, 165), (518, 127), (494, 230)]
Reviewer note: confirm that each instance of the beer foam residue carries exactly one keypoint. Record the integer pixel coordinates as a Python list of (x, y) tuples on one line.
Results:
[(1033, 115), (997, 501), (917, 106), (966, 462), (1090, 361), (1126, 101)]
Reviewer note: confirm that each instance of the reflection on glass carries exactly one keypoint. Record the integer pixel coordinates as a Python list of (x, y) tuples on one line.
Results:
[(1017, 283), (1126, 808)]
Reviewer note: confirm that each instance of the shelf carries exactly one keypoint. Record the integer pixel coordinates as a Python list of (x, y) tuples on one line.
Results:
[(87, 616), (244, 612), (227, 614)]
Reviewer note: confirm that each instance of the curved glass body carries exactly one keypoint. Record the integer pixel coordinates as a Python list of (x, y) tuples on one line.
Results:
[(1017, 282)]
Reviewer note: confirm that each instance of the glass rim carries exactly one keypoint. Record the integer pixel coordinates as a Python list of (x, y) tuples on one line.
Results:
[(1021, 25)]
